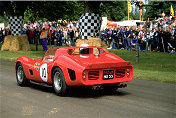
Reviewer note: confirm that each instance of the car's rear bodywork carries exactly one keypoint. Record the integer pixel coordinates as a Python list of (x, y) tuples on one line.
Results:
[(81, 66)]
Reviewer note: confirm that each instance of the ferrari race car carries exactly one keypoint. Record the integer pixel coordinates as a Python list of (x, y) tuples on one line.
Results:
[(66, 67)]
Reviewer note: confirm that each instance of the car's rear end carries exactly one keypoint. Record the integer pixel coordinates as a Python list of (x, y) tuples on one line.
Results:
[(93, 67), (107, 73)]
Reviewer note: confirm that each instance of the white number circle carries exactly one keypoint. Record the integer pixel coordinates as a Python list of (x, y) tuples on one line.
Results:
[(43, 72)]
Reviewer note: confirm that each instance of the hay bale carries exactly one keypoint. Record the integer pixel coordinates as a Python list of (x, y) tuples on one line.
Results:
[(15, 46), (24, 43), (7, 43), (91, 42), (16, 43)]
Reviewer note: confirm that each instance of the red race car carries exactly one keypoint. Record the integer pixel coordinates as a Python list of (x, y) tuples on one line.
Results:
[(65, 67)]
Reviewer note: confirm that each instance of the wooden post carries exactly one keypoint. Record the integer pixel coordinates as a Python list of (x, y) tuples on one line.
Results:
[(137, 52), (146, 47)]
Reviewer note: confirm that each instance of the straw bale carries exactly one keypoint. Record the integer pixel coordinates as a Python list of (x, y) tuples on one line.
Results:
[(16, 43), (91, 42), (7, 43), (24, 43)]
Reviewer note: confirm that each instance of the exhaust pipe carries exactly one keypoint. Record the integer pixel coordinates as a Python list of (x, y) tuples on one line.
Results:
[(122, 85)]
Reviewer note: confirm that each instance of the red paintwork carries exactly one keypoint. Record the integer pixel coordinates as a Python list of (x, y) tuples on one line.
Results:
[(64, 59)]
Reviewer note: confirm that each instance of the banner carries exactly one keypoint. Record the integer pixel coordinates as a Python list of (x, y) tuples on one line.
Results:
[(141, 12), (129, 5)]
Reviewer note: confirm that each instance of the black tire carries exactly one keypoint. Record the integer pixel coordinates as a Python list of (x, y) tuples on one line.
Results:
[(58, 81), (20, 76)]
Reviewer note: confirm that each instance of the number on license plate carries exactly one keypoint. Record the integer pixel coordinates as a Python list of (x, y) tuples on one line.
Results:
[(108, 74)]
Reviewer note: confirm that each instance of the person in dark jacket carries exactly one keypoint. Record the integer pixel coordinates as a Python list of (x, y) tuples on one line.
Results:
[(72, 37), (133, 35), (127, 39), (114, 38), (155, 42), (166, 39)]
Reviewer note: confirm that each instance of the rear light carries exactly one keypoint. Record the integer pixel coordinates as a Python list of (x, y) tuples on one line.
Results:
[(84, 75), (128, 72)]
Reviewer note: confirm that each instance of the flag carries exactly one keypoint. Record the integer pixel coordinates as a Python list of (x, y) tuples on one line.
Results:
[(129, 6), (141, 12), (172, 11)]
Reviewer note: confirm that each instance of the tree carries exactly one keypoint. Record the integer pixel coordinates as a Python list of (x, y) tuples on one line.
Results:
[(155, 8), (92, 7), (3, 19), (13, 8), (64, 10), (54, 10), (114, 10)]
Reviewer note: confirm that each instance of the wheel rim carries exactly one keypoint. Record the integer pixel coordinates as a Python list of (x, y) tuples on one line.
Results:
[(57, 81), (20, 74)]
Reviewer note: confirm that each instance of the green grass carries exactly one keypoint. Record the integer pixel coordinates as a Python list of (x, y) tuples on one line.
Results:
[(154, 66), (13, 55)]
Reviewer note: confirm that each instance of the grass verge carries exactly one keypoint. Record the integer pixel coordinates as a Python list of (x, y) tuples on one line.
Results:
[(154, 66)]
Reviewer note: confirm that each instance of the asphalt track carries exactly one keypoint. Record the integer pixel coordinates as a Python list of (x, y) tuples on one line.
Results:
[(141, 99)]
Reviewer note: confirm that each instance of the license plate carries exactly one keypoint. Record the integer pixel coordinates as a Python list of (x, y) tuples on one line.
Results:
[(108, 74)]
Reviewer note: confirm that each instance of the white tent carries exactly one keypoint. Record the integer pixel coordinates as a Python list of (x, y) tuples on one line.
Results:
[(1, 26), (128, 23)]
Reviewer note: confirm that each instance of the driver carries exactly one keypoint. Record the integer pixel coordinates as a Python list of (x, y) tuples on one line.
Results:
[(84, 50)]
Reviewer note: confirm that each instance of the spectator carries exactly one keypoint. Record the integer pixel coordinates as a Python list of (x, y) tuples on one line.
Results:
[(166, 39), (50, 35), (24, 31), (155, 42), (127, 39), (58, 35), (164, 25), (62, 37), (148, 24), (133, 35), (65, 35), (114, 38), (109, 37), (123, 37), (36, 37), (31, 35), (43, 37), (102, 37), (54, 36), (1, 35), (150, 34), (72, 37)]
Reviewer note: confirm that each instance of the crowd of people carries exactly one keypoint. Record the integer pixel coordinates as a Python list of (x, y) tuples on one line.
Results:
[(48, 33), (51, 33), (160, 37)]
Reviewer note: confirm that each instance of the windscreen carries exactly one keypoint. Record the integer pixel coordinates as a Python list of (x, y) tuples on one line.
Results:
[(85, 51)]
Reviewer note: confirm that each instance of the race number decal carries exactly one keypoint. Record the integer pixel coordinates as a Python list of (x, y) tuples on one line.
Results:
[(43, 72)]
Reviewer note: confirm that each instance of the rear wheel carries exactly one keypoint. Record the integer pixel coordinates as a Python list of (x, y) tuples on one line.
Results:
[(20, 76), (58, 81)]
